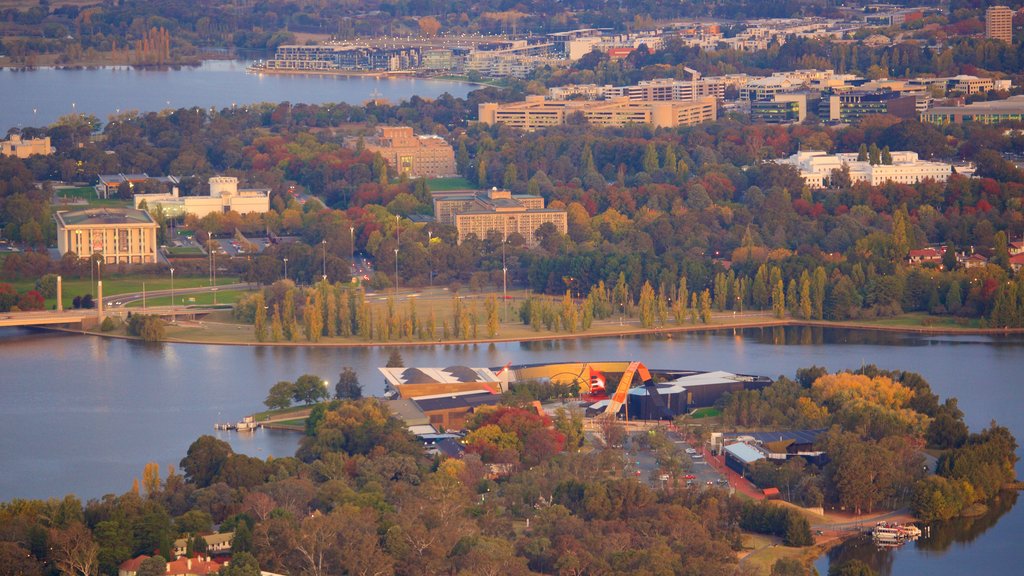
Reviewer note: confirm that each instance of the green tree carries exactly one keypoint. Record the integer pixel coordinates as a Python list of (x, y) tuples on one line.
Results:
[(650, 160), (280, 395), (862, 153), (886, 156), (148, 327), (1000, 254), (395, 359), (491, 311), (778, 300), (647, 305), (705, 306), (309, 389), (806, 305), (242, 564), (954, 298), (152, 566), (818, 292), (276, 326), (851, 568), (204, 459), (900, 233), (348, 386)]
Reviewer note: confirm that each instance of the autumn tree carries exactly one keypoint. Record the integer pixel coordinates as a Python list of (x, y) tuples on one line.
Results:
[(348, 386)]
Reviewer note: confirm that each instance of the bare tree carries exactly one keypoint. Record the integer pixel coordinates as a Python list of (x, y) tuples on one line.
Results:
[(74, 551)]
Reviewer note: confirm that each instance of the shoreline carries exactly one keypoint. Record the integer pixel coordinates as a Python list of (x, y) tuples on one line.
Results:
[(401, 74), (662, 331)]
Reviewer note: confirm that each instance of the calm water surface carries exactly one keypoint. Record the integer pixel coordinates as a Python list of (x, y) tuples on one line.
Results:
[(84, 414), (38, 97)]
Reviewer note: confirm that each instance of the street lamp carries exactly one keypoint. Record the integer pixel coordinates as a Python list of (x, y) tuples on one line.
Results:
[(285, 268), (324, 244), (352, 249), (430, 259), (396, 273), (172, 296)]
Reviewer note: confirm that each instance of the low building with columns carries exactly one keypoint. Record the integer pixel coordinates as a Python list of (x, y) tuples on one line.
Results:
[(120, 235)]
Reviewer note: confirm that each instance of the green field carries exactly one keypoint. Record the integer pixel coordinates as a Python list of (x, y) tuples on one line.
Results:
[(200, 299), (121, 285), (706, 413), (87, 192), (442, 184)]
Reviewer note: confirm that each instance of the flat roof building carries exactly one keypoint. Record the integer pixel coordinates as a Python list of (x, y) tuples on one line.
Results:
[(816, 168), (225, 196), (417, 156), (416, 382), (120, 235), (480, 213), (991, 112), (999, 23), (536, 112), (18, 147)]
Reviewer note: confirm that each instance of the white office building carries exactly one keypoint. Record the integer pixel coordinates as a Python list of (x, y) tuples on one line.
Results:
[(816, 168)]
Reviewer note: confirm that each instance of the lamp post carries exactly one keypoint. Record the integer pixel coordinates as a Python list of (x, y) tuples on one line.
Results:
[(285, 268), (396, 273), (352, 249), (324, 244), (504, 284), (172, 297), (430, 258)]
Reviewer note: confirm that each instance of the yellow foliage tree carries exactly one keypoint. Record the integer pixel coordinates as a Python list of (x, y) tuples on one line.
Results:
[(429, 26)]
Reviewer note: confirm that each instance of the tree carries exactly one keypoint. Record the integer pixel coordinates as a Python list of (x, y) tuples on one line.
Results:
[(348, 386), (148, 327), (395, 359), (204, 460), (242, 564), (650, 160), (152, 566), (851, 568), (429, 26), (778, 300), (280, 395), (491, 311), (647, 305), (73, 550), (260, 323), (806, 306), (705, 306), (18, 561), (789, 567), (309, 389), (151, 479)]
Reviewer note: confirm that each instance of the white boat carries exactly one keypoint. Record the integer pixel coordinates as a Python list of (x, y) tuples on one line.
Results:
[(892, 533)]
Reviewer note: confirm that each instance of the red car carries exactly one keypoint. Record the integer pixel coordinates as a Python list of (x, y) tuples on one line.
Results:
[(689, 477)]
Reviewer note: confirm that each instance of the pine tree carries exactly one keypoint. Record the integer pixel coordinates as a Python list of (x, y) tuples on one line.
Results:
[(862, 153), (886, 156), (954, 299), (586, 161)]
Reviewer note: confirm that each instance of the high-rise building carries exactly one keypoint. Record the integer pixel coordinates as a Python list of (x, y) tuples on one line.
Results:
[(999, 24)]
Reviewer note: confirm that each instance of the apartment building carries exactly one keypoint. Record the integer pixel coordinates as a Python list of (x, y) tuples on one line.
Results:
[(999, 23)]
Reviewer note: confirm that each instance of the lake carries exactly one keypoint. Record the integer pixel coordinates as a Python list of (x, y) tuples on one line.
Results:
[(39, 97), (84, 414)]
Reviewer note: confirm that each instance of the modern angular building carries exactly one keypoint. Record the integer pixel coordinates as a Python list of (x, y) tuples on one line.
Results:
[(480, 213), (781, 109), (120, 235), (415, 156)]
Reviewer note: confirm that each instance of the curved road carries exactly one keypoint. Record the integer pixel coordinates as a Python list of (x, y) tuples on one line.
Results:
[(122, 300)]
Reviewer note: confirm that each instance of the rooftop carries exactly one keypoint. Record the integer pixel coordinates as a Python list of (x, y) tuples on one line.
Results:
[(745, 453), (104, 216)]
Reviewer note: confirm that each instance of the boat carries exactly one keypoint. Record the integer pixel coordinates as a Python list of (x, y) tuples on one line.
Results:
[(894, 534)]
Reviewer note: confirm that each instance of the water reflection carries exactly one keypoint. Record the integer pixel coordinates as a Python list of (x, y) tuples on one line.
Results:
[(916, 558)]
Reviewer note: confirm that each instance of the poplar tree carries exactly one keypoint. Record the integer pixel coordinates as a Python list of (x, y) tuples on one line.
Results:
[(276, 326), (491, 309), (806, 306), (778, 300), (260, 324), (705, 306), (650, 160), (647, 305)]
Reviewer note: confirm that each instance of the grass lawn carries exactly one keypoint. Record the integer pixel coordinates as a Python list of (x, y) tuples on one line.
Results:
[(760, 561), (922, 320), (276, 414), (706, 413), (87, 192), (201, 299), (442, 184), (121, 285)]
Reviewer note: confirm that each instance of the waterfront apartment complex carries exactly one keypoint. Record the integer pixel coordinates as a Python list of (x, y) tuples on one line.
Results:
[(18, 147), (991, 112), (417, 156), (535, 112), (331, 58), (816, 168), (120, 235), (999, 23), (480, 213), (224, 197)]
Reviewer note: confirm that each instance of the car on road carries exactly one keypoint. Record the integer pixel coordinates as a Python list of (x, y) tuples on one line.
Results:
[(691, 451), (689, 477)]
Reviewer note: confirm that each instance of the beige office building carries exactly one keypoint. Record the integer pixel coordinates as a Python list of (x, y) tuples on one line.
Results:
[(480, 213), (225, 196), (18, 147), (535, 112), (121, 235), (417, 156), (999, 24)]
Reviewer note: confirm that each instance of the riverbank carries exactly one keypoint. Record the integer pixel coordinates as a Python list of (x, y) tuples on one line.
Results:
[(217, 329)]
